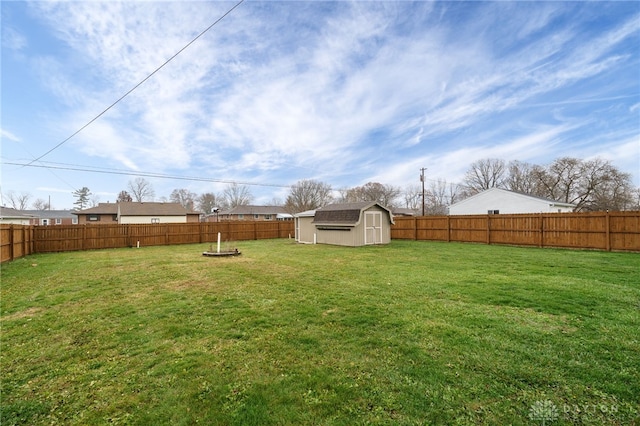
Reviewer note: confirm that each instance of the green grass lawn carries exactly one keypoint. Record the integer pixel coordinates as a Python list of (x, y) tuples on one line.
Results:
[(286, 334)]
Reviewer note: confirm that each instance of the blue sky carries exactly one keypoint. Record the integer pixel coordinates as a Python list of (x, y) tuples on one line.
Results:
[(341, 92)]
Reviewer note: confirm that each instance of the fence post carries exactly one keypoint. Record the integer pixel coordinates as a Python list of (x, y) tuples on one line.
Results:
[(541, 231), (448, 228), (10, 242), (415, 228), (24, 243), (489, 229), (608, 231)]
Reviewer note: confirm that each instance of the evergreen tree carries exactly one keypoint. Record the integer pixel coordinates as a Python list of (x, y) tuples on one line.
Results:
[(82, 196)]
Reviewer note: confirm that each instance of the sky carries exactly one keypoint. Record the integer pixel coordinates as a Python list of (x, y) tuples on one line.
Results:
[(280, 91)]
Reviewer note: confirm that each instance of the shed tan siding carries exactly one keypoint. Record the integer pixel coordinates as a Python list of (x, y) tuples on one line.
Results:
[(305, 229)]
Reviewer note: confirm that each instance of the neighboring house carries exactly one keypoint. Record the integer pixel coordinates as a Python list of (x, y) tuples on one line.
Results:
[(53, 217), (349, 224), (134, 212), (502, 201), (404, 212), (15, 217), (251, 213)]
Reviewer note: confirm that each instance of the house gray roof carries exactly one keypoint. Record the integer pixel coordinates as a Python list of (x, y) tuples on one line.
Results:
[(8, 212), (347, 214), (138, 209), (51, 214), (251, 210)]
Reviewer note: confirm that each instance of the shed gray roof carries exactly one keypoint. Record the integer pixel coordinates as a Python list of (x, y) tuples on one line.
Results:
[(347, 214)]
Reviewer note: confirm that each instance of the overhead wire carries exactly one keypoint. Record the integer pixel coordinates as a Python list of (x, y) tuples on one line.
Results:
[(137, 85), (90, 169)]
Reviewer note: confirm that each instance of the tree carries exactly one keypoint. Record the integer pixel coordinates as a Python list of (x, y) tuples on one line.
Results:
[(124, 197), (521, 177), (82, 196), (307, 194), (185, 197), (40, 204), (485, 174), (413, 197), (590, 185), (141, 190), (207, 203), (386, 195), (440, 196), (237, 195), (18, 201)]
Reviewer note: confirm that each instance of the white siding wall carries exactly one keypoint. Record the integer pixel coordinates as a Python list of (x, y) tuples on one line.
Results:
[(147, 219), (505, 202)]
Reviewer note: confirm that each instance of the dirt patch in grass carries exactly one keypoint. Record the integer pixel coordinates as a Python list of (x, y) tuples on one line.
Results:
[(27, 313)]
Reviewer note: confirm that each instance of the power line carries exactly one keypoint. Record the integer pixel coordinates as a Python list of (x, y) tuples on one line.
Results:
[(71, 167), (136, 86)]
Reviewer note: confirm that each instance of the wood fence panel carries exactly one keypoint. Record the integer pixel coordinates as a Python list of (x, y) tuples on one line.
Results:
[(624, 231), (6, 242), (105, 236), (404, 228), (596, 230), (515, 229), (266, 230), (470, 229), (434, 228)]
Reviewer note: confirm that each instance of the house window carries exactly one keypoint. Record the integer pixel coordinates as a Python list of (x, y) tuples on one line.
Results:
[(155, 220), (493, 212), (267, 217), (58, 221), (74, 220), (240, 216), (93, 218), (45, 221), (256, 216)]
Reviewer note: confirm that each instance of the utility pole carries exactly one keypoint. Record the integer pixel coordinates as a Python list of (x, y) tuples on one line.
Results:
[(422, 180)]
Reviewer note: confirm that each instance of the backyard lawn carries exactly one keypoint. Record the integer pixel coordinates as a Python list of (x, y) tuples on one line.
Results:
[(413, 333)]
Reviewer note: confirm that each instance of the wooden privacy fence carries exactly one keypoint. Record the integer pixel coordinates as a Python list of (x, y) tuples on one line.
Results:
[(618, 231), (21, 240), (598, 230), (15, 241)]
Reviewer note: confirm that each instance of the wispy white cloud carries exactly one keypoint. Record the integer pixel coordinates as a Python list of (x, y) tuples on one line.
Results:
[(8, 135), (12, 39)]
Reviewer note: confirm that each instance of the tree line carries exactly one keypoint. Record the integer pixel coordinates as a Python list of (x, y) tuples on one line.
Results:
[(592, 185)]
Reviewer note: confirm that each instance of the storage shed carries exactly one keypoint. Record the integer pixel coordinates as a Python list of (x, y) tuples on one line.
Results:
[(349, 224)]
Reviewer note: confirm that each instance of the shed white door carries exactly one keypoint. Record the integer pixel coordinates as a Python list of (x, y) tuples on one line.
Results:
[(372, 227)]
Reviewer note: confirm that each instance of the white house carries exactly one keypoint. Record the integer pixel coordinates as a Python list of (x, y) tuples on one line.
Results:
[(15, 217), (502, 201)]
